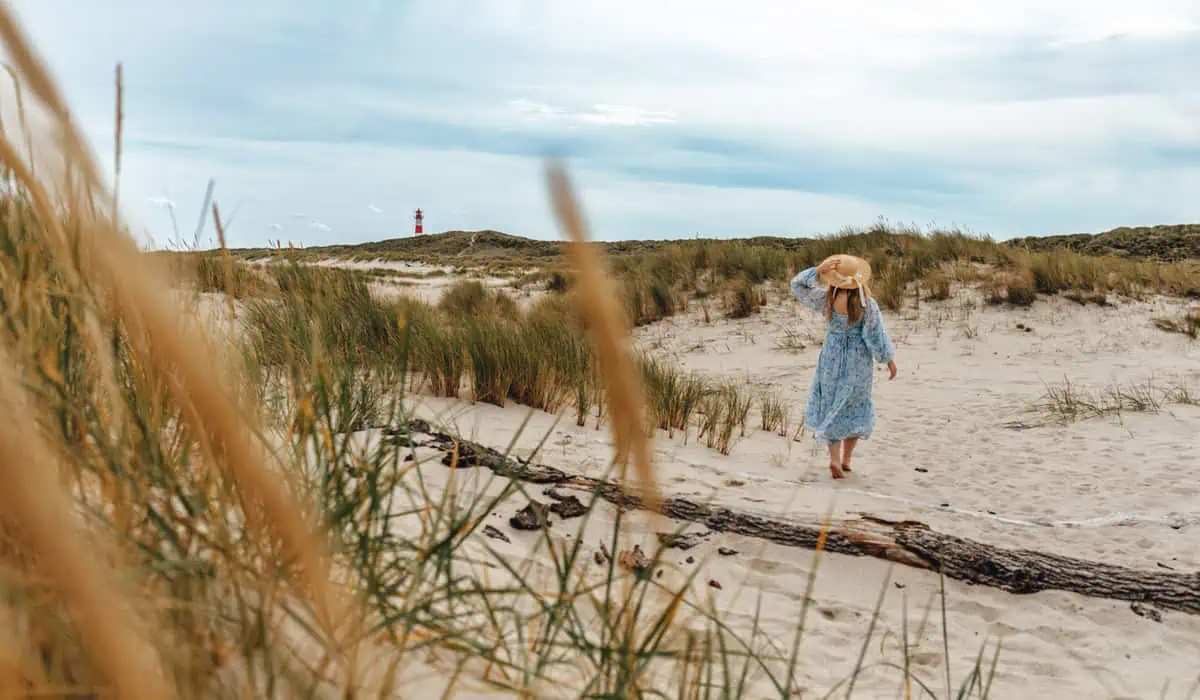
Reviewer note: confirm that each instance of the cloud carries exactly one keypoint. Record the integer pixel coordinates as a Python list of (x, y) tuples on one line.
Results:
[(765, 117), (1159, 63), (608, 115)]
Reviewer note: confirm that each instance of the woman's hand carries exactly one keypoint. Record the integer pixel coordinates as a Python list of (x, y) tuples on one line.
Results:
[(891, 370)]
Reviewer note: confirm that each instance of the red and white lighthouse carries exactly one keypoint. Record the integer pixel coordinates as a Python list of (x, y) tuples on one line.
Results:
[(418, 223)]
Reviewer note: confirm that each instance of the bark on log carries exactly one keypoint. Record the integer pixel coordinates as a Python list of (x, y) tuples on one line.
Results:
[(908, 542)]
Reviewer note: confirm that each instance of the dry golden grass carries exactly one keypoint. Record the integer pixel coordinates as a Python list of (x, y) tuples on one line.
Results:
[(609, 331), (71, 229), (657, 281)]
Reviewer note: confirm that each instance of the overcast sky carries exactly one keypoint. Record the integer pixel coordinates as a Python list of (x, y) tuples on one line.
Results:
[(328, 121)]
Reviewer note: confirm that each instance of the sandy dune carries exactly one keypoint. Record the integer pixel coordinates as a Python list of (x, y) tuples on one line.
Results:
[(957, 448), (421, 281)]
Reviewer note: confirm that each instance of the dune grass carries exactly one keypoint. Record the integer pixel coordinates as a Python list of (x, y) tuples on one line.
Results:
[(720, 412), (658, 280), (1186, 323), (215, 273), (475, 343), (661, 280), (1067, 402)]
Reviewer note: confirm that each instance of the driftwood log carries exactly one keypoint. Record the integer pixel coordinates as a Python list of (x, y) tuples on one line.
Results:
[(907, 542)]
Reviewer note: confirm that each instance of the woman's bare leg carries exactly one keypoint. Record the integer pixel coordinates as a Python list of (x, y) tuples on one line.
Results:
[(835, 460), (847, 450)]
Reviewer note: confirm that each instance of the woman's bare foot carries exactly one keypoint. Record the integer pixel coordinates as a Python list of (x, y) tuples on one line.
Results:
[(847, 451), (836, 471)]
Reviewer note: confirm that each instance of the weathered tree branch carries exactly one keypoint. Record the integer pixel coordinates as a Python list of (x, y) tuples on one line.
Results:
[(907, 542)]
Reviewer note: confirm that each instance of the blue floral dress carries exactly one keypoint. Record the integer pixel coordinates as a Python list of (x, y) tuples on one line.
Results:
[(840, 404)]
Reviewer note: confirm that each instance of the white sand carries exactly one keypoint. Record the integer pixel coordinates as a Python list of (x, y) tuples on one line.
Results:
[(1121, 491), (429, 281)]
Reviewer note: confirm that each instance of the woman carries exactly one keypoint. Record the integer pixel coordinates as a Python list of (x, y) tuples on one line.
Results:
[(840, 410)]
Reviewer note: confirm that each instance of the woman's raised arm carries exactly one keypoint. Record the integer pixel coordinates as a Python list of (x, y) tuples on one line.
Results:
[(807, 291)]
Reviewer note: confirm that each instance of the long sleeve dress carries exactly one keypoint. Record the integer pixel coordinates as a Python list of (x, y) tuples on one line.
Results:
[(839, 403)]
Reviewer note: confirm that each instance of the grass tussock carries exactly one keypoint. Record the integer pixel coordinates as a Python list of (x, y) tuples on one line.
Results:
[(1013, 288), (1067, 402), (744, 299), (938, 286), (794, 341), (472, 298), (775, 413), (719, 412), (1186, 323), (215, 273)]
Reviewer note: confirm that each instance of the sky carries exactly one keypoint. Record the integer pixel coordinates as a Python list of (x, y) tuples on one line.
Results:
[(324, 122)]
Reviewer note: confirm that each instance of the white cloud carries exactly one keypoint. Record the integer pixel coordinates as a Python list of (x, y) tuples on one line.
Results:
[(531, 110), (625, 115), (611, 115), (1050, 115)]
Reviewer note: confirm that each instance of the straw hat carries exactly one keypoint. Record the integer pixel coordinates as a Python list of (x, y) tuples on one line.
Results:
[(852, 273)]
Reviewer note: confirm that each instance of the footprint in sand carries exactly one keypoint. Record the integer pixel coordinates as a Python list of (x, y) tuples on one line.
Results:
[(774, 566), (985, 612), (925, 658)]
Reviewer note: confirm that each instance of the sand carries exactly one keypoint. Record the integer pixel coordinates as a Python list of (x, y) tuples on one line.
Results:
[(956, 447), (423, 281)]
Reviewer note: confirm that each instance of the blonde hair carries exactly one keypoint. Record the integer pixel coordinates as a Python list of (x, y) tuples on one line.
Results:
[(854, 303)]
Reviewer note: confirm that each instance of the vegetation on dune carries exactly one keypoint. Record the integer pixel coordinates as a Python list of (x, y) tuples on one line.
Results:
[(662, 278), (1170, 242), (214, 272), (474, 343), (907, 267), (1067, 402), (1163, 242), (480, 245), (1187, 323)]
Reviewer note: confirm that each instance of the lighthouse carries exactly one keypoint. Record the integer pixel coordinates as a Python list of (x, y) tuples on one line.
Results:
[(418, 223)]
